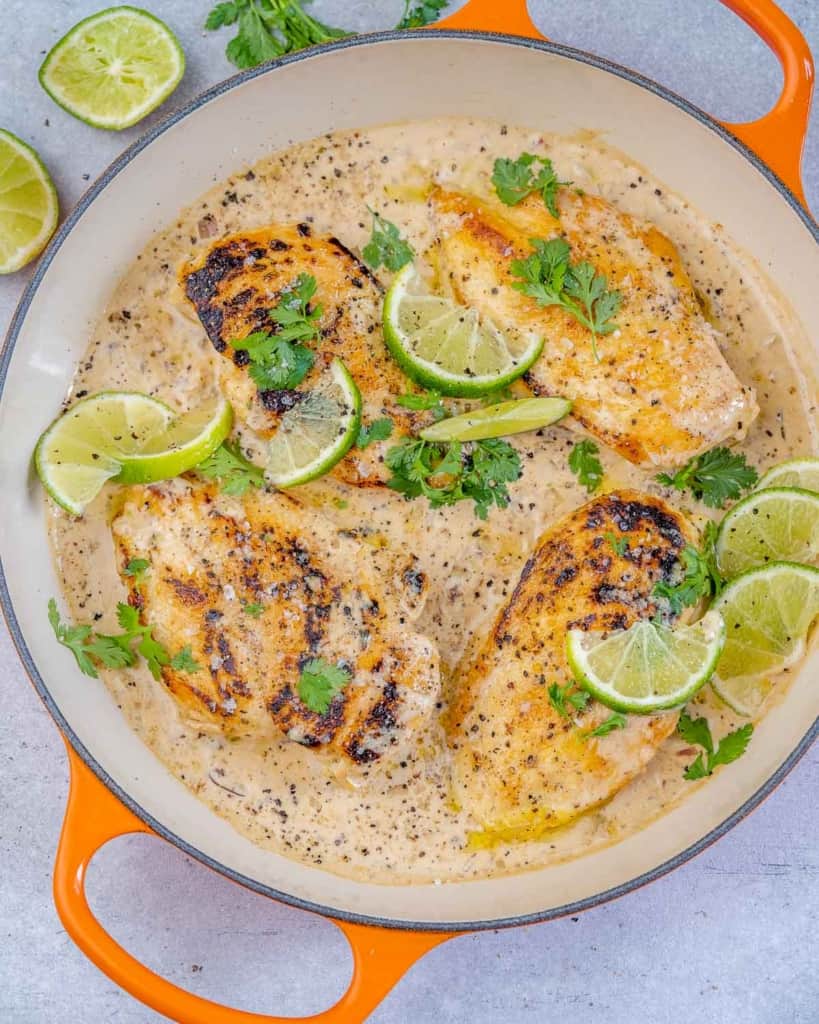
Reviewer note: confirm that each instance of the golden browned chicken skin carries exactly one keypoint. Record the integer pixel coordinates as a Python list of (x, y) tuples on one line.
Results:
[(321, 594), (519, 766), (662, 391), (236, 282)]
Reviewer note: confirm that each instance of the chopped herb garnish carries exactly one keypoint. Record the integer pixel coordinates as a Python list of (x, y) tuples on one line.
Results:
[(616, 720), (424, 400), (514, 180), (560, 696), (446, 473), (421, 14), (386, 246), (619, 544), (585, 465), (137, 568), (714, 477), (319, 683), (184, 661), (378, 430), (730, 747), (690, 586), (551, 279), (234, 472), (253, 609)]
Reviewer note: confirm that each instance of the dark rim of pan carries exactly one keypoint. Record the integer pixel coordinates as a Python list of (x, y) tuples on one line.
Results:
[(5, 599)]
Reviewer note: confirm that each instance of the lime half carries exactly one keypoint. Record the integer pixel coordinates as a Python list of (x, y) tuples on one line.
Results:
[(802, 473), (768, 613), (780, 524), (318, 432), (184, 443), (113, 68), (28, 204), (499, 420), (448, 347), (648, 667)]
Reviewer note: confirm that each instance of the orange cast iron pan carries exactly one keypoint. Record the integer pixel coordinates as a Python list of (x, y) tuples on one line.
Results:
[(381, 955)]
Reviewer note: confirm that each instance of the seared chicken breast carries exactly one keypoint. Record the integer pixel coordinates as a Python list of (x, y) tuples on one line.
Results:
[(234, 285), (520, 767), (259, 586), (662, 391)]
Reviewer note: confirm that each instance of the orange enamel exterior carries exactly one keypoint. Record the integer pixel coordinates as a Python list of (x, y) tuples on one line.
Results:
[(94, 815)]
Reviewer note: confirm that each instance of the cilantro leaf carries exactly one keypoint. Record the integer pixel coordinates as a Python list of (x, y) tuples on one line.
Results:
[(421, 14), (619, 544), (585, 465), (234, 472), (378, 430), (616, 720), (716, 476), (559, 696), (319, 682), (386, 246), (268, 28), (74, 638), (445, 473), (730, 747), (548, 276), (514, 180), (425, 400), (294, 315), (184, 661), (254, 609), (111, 651), (137, 568), (688, 588)]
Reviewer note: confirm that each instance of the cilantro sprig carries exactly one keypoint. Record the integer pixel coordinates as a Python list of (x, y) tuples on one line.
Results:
[(729, 748), (231, 469), (137, 568), (445, 473), (616, 720), (424, 401), (619, 545), (319, 682), (716, 476), (514, 180), (549, 277), (279, 361), (421, 14), (378, 430), (386, 246), (560, 696), (119, 650), (690, 585), (585, 464)]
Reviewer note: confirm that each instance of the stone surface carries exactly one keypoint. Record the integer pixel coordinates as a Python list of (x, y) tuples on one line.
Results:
[(730, 936)]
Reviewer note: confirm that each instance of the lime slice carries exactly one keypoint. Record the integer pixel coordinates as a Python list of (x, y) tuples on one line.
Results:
[(113, 68), (780, 524), (448, 347), (499, 420), (802, 473), (184, 443), (648, 667), (28, 204), (86, 445), (318, 432), (768, 613)]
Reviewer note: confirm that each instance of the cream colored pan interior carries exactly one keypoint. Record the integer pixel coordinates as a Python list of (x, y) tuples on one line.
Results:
[(361, 84)]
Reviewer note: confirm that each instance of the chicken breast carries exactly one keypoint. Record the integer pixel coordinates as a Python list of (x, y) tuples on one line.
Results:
[(662, 391), (312, 591), (520, 767), (233, 286)]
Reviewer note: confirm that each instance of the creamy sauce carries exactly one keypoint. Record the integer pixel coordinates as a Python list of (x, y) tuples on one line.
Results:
[(399, 825)]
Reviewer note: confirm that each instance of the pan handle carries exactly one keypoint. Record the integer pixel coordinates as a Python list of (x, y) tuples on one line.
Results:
[(777, 138), (94, 816)]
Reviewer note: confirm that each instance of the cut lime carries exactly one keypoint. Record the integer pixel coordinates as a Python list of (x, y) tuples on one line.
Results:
[(802, 473), (648, 667), (780, 524), (113, 68), (86, 445), (28, 204), (768, 613), (188, 440), (448, 347), (499, 420), (318, 432)]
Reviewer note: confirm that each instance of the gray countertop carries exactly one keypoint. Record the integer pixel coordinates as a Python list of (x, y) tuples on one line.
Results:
[(729, 936)]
